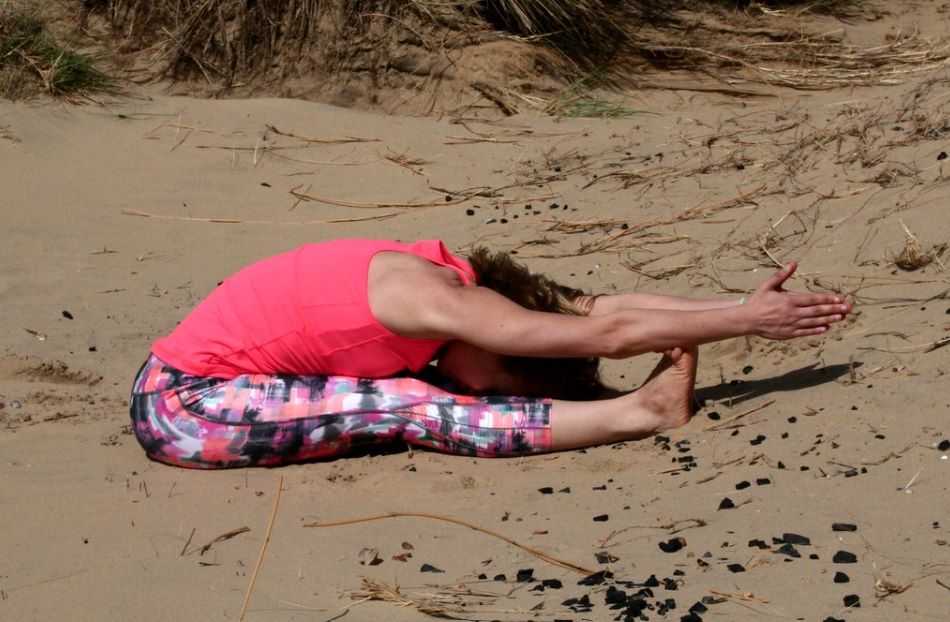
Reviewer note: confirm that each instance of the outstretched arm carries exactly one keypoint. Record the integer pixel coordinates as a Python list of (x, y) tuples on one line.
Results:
[(430, 306)]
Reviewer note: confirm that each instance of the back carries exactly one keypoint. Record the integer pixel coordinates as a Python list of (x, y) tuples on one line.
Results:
[(302, 312)]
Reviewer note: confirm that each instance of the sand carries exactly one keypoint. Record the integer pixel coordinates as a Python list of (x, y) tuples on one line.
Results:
[(118, 218)]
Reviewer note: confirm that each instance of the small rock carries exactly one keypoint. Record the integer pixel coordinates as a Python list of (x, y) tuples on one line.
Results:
[(794, 538), (430, 568), (601, 518), (554, 584), (672, 545), (547, 490), (852, 600), (844, 557), (67, 315), (841, 577), (736, 568), (525, 575), (843, 527), (726, 504), (742, 485), (944, 445)]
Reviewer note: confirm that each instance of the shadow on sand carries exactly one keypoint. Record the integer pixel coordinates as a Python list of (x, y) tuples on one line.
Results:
[(738, 391)]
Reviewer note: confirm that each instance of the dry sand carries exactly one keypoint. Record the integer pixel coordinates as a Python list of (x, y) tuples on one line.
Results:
[(701, 194)]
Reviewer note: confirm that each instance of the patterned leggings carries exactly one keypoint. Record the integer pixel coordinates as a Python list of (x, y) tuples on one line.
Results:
[(269, 420)]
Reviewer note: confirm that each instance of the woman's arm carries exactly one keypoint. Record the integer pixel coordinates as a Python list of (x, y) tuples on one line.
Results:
[(610, 303), (426, 304)]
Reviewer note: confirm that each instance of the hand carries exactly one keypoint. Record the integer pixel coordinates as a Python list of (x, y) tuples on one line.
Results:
[(780, 314)]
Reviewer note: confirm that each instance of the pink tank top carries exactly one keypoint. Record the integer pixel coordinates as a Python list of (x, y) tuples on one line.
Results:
[(302, 312)]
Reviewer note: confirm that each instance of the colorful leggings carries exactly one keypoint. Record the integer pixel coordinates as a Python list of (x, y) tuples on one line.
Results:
[(269, 420)]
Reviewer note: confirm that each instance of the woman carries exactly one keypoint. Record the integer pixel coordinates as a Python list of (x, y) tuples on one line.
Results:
[(320, 350)]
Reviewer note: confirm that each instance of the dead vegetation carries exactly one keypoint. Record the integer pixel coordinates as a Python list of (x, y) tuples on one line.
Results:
[(508, 55)]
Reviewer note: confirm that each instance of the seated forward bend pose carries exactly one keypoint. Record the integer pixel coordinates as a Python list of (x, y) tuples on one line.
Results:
[(318, 351)]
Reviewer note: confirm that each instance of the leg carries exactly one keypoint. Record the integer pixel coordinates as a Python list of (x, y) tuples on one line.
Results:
[(663, 402), (270, 420)]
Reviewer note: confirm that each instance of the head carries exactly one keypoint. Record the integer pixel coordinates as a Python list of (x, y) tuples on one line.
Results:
[(486, 372)]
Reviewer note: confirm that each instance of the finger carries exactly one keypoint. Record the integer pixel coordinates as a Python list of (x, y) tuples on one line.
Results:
[(808, 300), (808, 322), (804, 332), (775, 281), (820, 310)]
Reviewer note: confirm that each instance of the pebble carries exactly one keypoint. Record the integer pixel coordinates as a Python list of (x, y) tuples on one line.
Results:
[(603, 557), (794, 538), (500, 577), (672, 545), (841, 577), (601, 518), (788, 549), (843, 527), (554, 584), (597, 578), (759, 544), (742, 485), (830, 619), (763, 481), (944, 445), (547, 490), (736, 568), (67, 315), (524, 575), (844, 557), (726, 504), (852, 600), (430, 568), (691, 617)]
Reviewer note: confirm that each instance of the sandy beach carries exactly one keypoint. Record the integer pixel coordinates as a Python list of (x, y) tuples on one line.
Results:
[(812, 485)]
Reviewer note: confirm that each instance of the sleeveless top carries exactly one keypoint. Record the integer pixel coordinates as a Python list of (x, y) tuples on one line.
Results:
[(304, 312)]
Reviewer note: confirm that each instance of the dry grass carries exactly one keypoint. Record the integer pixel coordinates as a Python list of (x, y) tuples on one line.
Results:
[(32, 60), (229, 45)]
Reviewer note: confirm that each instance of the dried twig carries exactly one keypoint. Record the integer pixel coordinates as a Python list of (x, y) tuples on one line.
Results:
[(727, 423), (539, 554), (260, 556), (238, 221)]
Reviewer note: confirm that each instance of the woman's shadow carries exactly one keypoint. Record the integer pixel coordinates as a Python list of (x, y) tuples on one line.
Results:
[(738, 391)]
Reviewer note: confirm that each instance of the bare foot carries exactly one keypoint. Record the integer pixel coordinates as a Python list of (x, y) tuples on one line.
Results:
[(666, 398)]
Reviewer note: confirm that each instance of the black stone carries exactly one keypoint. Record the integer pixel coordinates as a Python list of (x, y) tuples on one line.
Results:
[(672, 545), (714, 415), (742, 485), (736, 568), (841, 577), (763, 481), (547, 490), (470, 212), (597, 578), (944, 445), (794, 538), (844, 557), (615, 596), (500, 577), (566, 490), (747, 370), (554, 584), (726, 504), (67, 315), (843, 527), (525, 575), (830, 619), (603, 557), (430, 568), (698, 607), (601, 518), (942, 156), (691, 617), (852, 600), (790, 550), (759, 544)]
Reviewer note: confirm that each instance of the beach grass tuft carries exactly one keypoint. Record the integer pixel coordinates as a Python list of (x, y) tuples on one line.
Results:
[(31, 60)]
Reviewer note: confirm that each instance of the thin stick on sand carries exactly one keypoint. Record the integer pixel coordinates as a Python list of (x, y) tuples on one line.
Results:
[(260, 556), (726, 423), (238, 221), (540, 555)]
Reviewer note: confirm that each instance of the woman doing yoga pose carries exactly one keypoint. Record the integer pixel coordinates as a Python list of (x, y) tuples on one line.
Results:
[(327, 348)]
